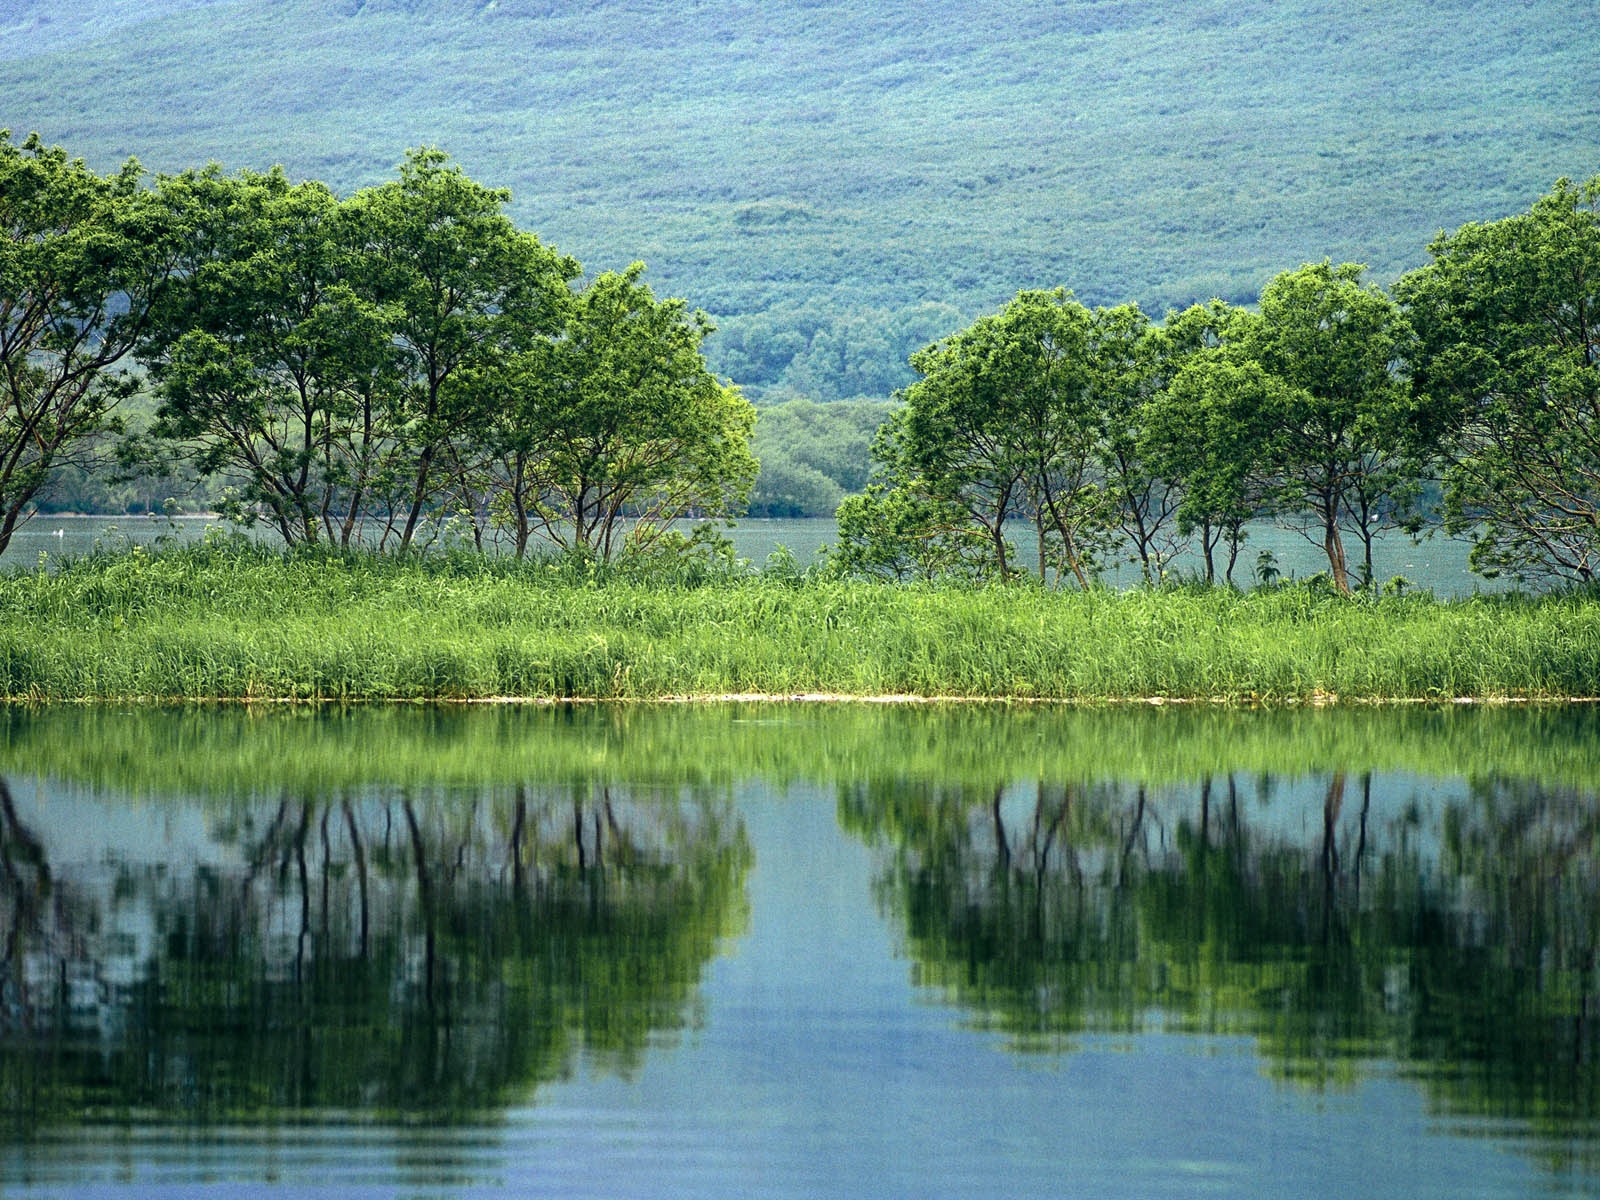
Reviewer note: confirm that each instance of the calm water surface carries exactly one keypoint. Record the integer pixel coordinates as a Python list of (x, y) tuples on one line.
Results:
[(1439, 563), (799, 951), (57, 536)]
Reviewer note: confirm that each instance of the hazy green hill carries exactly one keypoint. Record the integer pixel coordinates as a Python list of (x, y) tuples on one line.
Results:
[(790, 166), (32, 27)]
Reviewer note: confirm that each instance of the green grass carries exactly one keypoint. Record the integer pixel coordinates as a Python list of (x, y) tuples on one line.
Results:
[(226, 622)]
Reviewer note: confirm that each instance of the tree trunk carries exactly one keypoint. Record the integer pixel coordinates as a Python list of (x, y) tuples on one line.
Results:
[(1334, 545)]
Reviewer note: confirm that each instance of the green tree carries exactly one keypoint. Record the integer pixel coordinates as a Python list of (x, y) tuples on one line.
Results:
[(1208, 430), (852, 356), (1202, 429), (821, 351), (900, 527), (1339, 427), (619, 422), (272, 370), (464, 291), (790, 488), (82, 257), (812, 455), (1125, 361), (1508, 320), (1003, 422)]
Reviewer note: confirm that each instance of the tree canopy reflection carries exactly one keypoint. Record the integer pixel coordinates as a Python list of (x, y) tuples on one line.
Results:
[(1359, 921), (388, 955)]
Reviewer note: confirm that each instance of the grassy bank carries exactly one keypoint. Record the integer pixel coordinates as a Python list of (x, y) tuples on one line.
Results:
[(229, 622)]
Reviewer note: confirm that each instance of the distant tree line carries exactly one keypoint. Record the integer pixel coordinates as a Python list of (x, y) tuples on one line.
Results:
[(813, 455), (1331, 409), (820, 351), (357, 369)]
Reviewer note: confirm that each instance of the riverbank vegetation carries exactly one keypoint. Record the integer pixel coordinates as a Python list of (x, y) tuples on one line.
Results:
[(1470, 400), (240, 622)]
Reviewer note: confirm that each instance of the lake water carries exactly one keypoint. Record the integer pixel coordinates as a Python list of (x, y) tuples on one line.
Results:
[(1438, 563), (799, 951)]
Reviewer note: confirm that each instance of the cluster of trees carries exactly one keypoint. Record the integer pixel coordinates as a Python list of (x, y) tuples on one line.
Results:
[(826, 350), (1332, 409), (365, 368), (357, 368), (813, 455)]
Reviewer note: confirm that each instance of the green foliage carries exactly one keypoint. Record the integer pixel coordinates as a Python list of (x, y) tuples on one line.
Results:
[(902, 533), (1005, 419), (858, 160), (1100, 430), (807, 223), (903, 527), (618, 417), (1127, 363), (1508, 315), (812, 455), (463, 290), (822, 352), (81, 259), (265, 359), (1337, 419), (1203, 429), (1299, 413), (408, 357), (1034, 413)]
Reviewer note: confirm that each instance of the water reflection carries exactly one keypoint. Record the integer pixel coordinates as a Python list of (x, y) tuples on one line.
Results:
[(313, 948), (392, 955), (1342, 922)]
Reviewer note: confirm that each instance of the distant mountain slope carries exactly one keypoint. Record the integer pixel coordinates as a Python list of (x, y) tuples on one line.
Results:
[(790, 165), (32, 27)]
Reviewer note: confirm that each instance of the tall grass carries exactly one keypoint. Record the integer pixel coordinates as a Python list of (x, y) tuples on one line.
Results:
[(235, 622)]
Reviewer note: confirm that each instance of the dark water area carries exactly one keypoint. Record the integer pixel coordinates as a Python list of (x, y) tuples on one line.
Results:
[(786, 950)]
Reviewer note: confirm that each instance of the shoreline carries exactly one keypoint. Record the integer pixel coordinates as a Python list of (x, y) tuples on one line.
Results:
[(819, 699)]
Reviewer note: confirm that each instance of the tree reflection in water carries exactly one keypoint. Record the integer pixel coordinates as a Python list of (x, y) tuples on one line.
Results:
[(388, 956), (1455, 940)]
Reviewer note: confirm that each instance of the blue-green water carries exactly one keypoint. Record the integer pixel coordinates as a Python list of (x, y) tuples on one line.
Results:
[(1438, 563), (799, 951), (58, 536)]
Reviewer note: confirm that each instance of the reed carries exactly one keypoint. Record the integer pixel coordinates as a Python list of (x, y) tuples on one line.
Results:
[(234, 622)]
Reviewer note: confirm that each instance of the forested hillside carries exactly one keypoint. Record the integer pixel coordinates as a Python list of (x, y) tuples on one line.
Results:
[(834, 182)]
